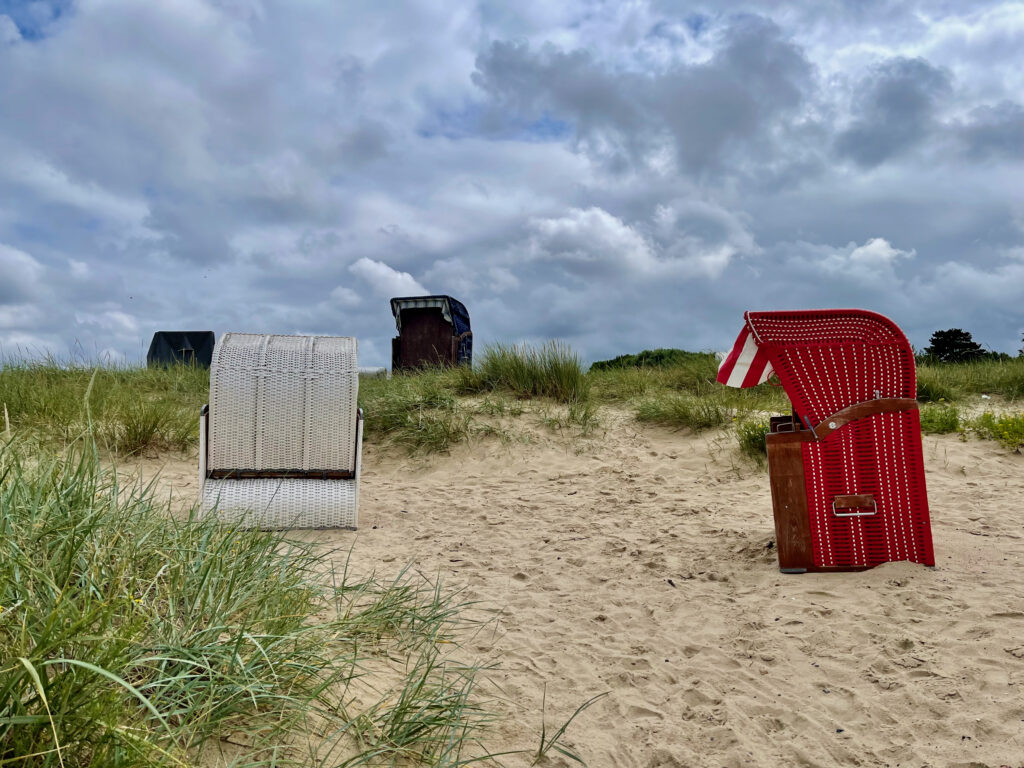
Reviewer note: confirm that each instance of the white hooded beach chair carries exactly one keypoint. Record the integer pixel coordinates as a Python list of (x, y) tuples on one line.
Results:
[(280, 442)]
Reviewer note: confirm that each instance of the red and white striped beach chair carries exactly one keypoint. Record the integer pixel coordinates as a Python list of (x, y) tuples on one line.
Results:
[(846, 469)]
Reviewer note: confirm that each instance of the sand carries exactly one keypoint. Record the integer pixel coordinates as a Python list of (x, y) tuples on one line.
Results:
[(638, 562)]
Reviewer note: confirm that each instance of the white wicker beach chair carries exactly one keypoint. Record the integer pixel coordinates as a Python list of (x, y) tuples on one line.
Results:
[(280, 443)]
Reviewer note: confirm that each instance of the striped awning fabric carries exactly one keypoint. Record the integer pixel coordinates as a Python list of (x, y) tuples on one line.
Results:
[(441, 302), (746, 365)]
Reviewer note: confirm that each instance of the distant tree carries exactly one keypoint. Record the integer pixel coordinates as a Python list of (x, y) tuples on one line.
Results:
[(1020, 352), (953, 346)]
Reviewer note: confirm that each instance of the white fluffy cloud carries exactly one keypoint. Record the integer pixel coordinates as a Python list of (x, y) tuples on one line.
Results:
[(385, 281)]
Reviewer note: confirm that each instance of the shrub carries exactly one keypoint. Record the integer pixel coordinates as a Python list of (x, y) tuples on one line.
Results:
[(652, 358), (953, 346), (1007, 429)]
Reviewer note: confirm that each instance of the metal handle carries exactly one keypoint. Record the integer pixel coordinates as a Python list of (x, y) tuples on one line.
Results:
[(874, 511)]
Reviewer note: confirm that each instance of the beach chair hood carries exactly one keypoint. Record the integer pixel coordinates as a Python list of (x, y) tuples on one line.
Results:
[(825, 360)]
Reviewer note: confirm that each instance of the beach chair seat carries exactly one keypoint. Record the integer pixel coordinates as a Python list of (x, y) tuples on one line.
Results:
[(846, 469), (281, 438)]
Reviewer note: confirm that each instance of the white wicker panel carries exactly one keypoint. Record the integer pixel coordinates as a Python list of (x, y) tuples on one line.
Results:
[(283, 402), (232, 398), (276, 503)]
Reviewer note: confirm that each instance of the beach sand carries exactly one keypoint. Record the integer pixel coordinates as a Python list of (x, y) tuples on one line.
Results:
[(638, 561)]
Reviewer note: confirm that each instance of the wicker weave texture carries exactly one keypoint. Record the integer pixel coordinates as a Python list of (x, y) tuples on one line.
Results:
[(283, 402), (828, 360), (279, 504)]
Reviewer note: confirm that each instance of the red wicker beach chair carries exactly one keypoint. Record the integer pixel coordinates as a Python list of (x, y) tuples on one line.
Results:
[(846, 469)]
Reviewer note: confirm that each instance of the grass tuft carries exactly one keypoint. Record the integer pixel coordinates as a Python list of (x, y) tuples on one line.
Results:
[(132, 408), (694, 413), (940, 419), (952, 381), (552, 370), (751, 435), (204, 633)]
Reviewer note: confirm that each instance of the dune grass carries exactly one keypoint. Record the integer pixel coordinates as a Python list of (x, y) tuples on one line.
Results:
[(751, 434), (954, 381), (133, 408), (684, 394), (204, 636), (552, 370), (940, 419)]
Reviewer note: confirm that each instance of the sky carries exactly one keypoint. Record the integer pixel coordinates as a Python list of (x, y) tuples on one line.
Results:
[(619, 175)]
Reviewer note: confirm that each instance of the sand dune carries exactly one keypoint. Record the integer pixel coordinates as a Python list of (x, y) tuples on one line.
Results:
[(640, 562)]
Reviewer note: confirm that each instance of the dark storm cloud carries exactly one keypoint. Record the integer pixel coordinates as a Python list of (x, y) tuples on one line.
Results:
[(704, 109), (995, 132), (895, 109)]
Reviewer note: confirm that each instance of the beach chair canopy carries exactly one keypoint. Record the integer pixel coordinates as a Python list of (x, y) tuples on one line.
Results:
[(419, 340), (825, 360), (855, 468), (181, 347), (280, 443)]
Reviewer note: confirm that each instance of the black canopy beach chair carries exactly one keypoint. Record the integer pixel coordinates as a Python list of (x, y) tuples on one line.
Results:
[(181, 347)]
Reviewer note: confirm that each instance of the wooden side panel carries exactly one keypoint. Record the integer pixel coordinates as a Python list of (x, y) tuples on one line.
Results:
[(426, 338), (789, 502)]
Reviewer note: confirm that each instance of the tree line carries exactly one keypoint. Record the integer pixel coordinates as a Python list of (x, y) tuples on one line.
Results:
[(955, 345)]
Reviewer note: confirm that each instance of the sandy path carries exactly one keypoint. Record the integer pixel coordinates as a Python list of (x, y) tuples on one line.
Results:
[(637, 562)]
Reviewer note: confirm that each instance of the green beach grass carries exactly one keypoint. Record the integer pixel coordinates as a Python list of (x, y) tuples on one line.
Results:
[(206, 636)]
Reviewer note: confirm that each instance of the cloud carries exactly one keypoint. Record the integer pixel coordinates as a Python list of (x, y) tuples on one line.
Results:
[(592, 243), (894, 110), (623, 175), (994, 132), (872, 264), (385, 281), (346, 297), (22, 276), (8, 30), (683, 239), (702, 112)]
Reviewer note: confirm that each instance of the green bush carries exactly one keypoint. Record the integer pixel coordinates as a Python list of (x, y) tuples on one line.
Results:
[(1007, 429), (653, 358)]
